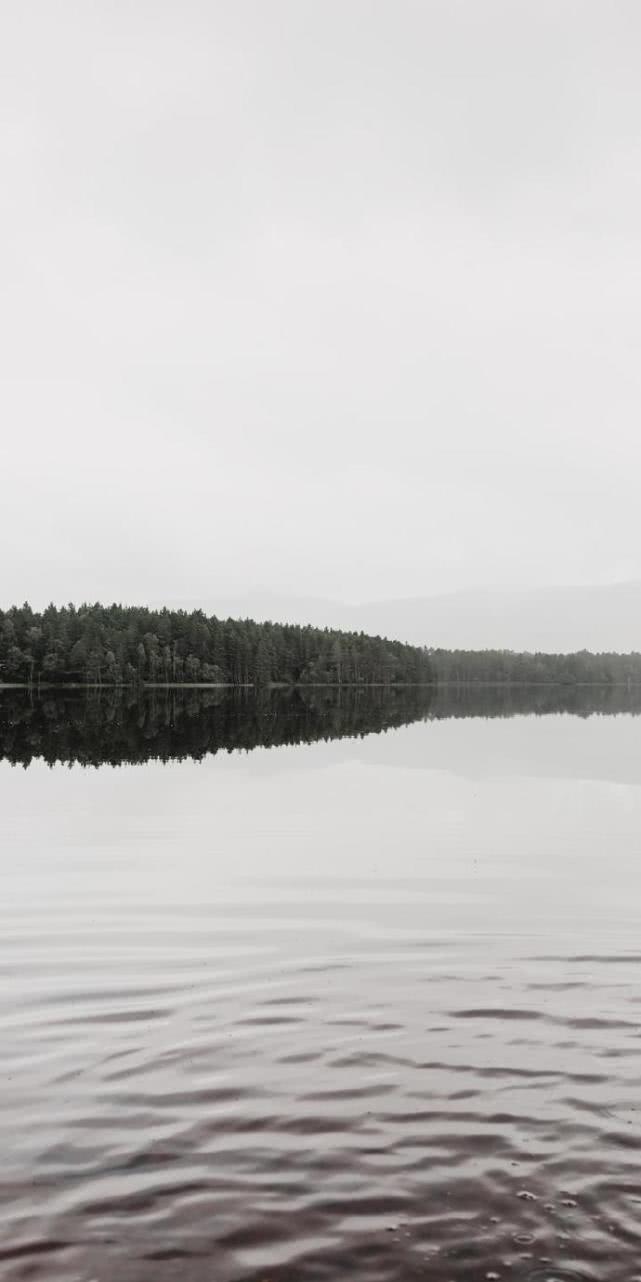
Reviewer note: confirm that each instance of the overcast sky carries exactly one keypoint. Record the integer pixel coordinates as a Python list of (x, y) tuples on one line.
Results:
[(330, 297)]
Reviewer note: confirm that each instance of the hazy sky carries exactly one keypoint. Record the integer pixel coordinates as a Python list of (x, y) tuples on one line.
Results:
[(330, 297)]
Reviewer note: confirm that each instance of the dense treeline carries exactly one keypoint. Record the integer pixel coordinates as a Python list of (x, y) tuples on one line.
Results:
[(119, 645), (469, 667), (120, 725)]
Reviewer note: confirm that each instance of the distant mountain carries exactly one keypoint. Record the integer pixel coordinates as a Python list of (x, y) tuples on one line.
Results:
[(553, 619), (560, 619)]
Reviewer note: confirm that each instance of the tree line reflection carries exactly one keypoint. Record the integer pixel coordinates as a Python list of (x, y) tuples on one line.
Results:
[(124, 727)]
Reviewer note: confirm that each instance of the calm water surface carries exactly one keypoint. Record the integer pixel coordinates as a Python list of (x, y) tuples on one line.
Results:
[(356, 1007)]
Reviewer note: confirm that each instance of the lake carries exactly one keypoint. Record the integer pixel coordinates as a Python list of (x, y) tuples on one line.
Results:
[(320, 986)]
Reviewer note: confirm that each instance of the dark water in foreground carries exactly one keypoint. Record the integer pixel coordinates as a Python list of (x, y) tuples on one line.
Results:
[(363, 1008)]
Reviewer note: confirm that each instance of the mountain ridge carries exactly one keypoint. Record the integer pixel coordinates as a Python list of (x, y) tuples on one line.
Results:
[(557, 619)]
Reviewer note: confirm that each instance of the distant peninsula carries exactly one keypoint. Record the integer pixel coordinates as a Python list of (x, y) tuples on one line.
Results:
[(115, 645)]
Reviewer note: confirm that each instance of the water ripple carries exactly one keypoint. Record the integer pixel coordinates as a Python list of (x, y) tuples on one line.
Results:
[(347, 1114)]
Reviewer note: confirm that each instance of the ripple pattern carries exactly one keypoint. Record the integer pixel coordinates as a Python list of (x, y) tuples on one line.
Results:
[(228, 1092)]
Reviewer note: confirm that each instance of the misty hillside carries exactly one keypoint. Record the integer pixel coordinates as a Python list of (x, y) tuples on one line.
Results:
[(551, 619), (554, 619)]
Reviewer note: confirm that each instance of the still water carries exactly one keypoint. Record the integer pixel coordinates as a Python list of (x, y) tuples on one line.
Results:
[(316, 989)]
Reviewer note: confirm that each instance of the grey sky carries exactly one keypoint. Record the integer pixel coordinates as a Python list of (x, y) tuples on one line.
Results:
[(338, 298)]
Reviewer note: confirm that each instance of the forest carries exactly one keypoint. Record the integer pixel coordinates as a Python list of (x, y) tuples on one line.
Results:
[(114, 645), (506, 667), (106, 646)]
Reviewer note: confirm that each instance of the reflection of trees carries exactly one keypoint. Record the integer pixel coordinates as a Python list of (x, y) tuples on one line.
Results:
[(513, 700), (121, 726)]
